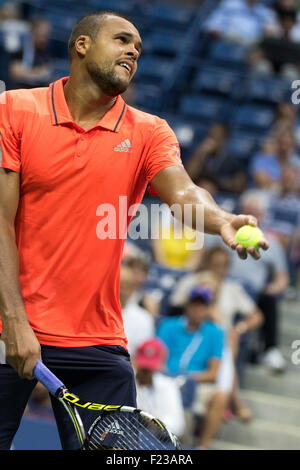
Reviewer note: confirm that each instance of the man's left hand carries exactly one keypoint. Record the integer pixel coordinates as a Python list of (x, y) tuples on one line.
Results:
[(229, 229)]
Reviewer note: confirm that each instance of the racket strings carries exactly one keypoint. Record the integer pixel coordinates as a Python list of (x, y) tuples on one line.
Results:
[(134, 432)]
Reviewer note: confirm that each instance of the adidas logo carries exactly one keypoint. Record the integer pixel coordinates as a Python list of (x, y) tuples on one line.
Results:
[(124, 146), (114, 428)]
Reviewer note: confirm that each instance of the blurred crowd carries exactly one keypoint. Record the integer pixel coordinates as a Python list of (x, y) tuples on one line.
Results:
[(196, 318)]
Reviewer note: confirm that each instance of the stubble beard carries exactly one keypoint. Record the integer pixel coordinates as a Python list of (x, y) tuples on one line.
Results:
[(107, 79)]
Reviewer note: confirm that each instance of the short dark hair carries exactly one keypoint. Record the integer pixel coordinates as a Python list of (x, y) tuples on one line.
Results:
[(89, 25)]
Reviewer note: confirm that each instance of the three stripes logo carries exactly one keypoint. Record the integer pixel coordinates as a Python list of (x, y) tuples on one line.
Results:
[(124, 146), (112, 428)]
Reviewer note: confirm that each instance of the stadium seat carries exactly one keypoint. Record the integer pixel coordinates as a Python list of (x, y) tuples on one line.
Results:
[(188, 132), (148, 96), (126, 6), (153, 69), (216, 79), (229, 54), (265, 89), (254, 116), (162, 43), (176, 18), (243, 144), (206, 108)]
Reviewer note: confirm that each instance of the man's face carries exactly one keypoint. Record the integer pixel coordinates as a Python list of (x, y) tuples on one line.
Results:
[(219, 264), (111, 59), (196, 312), (127, 284)]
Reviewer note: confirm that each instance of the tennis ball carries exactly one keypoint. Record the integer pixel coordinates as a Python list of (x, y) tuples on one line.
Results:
[(248, 236)]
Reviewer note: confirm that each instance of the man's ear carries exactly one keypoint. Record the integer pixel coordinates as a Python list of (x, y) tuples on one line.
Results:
[(82, 45)]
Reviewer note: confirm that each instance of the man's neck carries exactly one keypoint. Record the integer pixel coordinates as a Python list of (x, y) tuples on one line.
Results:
[(193, 326), (86, 102)]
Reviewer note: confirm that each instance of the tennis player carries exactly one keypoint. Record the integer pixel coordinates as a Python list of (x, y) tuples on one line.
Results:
[(66, 151)]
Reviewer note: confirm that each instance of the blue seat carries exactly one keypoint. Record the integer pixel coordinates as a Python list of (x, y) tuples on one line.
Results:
[(266, 89), (162, 43), (170, 16), (125, 6), (148, 96), (243, 144), (153, 68), (215, 79), (206, 108), (188, 132), (254, 116), (61, 68), (228, 53)]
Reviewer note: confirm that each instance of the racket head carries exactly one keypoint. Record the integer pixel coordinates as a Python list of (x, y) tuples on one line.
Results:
[(129, 429)]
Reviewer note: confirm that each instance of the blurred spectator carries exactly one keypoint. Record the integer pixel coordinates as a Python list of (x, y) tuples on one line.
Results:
[(39, 404), (287, 149), (266, 280), (157, 393), (282, 48), (195, 347), (211, 159), (245, 21), (32, 67), (283, 215), (175, 246), (264, 168), (236, 311), (286, 119), (138, 322), (13, 29), (139, 261)]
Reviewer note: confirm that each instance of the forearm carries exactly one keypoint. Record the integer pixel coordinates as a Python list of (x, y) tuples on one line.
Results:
[(11, 302), (204, 205), (207, 376)]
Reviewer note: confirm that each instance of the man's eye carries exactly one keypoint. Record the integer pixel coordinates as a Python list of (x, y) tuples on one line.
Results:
[(122, 38)]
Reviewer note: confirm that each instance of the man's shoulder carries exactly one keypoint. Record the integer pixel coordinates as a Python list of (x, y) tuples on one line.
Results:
[(27, 98), (213, 328), (175, 322), (142, 117)]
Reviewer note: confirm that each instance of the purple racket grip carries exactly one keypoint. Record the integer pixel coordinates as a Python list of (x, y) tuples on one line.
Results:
[(47, 378)]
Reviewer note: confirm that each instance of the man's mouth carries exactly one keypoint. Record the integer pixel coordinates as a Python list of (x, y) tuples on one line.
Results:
[(126, 66)]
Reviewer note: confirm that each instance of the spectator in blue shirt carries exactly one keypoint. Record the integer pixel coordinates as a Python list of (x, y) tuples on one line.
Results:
[(195, 347), (265, 169)]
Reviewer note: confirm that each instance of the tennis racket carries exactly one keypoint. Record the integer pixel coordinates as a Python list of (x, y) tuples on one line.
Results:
[(116, 427)]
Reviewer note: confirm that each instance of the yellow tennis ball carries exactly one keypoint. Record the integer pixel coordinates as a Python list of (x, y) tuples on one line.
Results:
[(248, 236)]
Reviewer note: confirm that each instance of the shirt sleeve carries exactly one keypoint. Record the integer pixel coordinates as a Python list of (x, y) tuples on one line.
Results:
[(163, 151), (244, 304), (10, 156), (218, 344), (165, 333)]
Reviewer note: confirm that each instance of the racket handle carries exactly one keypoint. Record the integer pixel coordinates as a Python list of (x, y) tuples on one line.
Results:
[(47, 378)]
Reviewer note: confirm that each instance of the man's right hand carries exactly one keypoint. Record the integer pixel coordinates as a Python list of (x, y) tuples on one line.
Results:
[(22, 349)]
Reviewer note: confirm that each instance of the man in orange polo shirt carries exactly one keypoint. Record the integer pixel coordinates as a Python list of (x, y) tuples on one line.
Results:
[(68, 152)]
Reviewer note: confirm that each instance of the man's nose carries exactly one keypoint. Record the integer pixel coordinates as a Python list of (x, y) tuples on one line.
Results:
[(132, 51)]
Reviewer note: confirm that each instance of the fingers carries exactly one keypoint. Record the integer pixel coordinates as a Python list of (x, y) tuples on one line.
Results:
[(243, 219), (263, 244), (243, 252)]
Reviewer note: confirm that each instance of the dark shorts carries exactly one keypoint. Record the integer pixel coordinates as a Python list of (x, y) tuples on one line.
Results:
[(102, 374)]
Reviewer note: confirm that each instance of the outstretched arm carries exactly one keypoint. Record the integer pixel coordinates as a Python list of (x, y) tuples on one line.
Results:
[(174, 186)]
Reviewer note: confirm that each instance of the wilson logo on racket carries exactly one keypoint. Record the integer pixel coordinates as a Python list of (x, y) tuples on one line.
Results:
[(88, 404)]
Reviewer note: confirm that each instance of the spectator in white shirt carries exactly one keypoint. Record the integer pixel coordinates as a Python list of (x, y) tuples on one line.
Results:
[(139, 324), (156, 393), (244, 21)]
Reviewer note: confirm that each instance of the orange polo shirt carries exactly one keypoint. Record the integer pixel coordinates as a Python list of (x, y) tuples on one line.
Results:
[(70, 222)]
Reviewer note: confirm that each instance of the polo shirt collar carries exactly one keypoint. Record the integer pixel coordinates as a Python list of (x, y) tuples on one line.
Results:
[(60, 113)]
